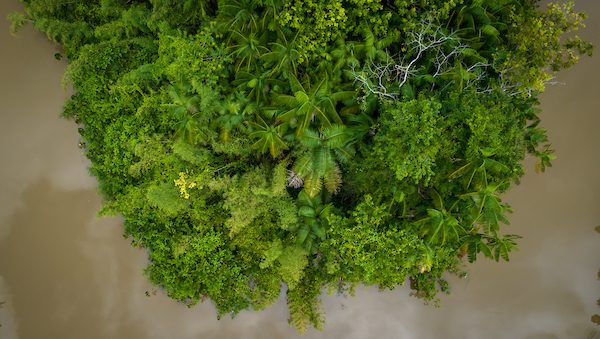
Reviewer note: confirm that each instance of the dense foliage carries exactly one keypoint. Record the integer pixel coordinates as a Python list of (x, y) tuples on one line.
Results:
[(315, 144)]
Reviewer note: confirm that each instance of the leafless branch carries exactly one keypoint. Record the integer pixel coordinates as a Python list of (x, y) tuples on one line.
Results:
[(375, 77)]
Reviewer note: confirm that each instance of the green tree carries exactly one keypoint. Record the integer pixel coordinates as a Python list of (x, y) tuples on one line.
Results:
[(392, 127)]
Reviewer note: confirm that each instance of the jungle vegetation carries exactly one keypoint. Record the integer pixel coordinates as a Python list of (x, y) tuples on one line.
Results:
[(260, 147)]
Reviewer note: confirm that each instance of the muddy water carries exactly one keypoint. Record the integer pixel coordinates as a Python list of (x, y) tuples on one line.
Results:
[(66, 274)]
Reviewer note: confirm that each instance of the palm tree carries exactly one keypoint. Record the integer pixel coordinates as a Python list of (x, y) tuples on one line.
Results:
[(312, 214), (247, 50), (231, 115), (269, 137), (487, 208), (478, 24), (238, 15), (318, 101), (440, 226), (256, 85), (494, 247), (283, 57), (318, 166), (185, 108), (270, 14), (373, 49), (480, 169), (501, 246)]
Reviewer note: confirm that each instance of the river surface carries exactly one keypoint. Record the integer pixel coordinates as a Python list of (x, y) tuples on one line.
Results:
[(64, 273)]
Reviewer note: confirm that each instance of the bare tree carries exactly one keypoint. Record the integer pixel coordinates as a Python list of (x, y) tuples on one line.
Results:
[(376, 77)]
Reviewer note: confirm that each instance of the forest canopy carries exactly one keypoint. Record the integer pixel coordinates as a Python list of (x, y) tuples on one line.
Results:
[(260, 147)]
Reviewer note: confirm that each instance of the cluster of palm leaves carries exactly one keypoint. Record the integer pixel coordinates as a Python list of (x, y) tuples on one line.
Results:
[(390, 136), (309, 115), (474, 218), (310, 111)]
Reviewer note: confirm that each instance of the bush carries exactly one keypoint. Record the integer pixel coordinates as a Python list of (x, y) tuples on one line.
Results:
[(254, 143)]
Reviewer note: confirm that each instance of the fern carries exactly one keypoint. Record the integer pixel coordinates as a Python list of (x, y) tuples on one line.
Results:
[(273, 252), (279, 182), (333, 181), (313, 184), (292, 262), (166, 197), (305, 306)]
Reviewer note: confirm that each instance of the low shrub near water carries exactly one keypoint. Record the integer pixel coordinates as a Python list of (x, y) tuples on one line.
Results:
[(316, 144)]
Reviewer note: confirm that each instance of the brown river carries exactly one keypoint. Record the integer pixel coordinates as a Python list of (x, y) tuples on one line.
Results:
[(66, 274)]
